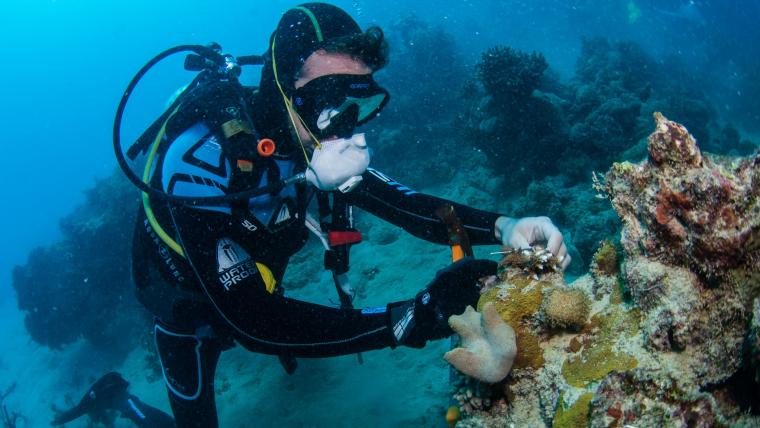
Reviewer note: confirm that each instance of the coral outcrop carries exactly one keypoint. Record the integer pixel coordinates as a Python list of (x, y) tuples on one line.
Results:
[(688, 210), (518, 110), (512, 117), (488, 344), (509, 74), (672, 333), (81, 287)]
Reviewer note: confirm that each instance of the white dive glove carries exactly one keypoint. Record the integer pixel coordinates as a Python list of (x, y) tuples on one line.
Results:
[(525, 232), (338, 164)]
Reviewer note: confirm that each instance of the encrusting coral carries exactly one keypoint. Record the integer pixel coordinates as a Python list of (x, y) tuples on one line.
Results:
[(671, 337), (605, 259), (488, 344)]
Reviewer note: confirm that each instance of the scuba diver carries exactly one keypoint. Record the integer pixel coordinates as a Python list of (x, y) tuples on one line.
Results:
[(210, 274), (110, 393)]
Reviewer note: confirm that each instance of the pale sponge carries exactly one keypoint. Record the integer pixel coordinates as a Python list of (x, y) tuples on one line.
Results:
[(488, 344)]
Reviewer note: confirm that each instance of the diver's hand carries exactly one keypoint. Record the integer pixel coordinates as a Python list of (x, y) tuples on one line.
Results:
[(425, 317), (527, 231)]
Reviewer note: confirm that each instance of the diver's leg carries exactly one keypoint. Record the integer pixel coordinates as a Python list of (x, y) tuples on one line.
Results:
[(143, 415), (189, 363)]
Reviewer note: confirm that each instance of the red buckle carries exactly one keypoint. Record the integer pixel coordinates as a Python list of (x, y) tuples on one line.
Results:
[(336, 238)]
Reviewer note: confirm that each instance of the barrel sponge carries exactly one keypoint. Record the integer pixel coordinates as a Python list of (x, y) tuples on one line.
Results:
[(566, 308)]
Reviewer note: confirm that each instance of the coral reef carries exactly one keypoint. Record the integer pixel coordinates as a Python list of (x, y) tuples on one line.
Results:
[(511, 115), (510, 75), (672, 337), (611, 84), (488, 345), (753, 341), (526, 295), (599, 352), (517, 112), (638, 398), (80, 287)]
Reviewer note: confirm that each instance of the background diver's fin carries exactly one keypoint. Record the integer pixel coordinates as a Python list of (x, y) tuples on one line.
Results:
[(68, 415), (289, 363)]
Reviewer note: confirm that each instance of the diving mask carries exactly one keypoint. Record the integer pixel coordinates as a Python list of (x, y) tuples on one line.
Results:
[(335, 104)]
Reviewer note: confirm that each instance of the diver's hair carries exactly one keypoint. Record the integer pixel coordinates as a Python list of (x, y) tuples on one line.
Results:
[(370, 47)]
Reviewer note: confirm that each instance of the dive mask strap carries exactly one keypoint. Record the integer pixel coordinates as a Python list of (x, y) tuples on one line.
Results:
[(289, 106)]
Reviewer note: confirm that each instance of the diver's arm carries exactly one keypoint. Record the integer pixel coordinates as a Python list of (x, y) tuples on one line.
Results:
[(266, 321), (415, 212)]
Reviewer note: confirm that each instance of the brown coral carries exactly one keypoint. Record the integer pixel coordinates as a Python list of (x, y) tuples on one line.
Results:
[(671, 145), (566, 308), (694, 210)]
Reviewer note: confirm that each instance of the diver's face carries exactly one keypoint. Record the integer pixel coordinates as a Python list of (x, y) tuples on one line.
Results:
[(322, 63)]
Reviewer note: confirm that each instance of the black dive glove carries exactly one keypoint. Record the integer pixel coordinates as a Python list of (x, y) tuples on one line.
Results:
[(426, 317)]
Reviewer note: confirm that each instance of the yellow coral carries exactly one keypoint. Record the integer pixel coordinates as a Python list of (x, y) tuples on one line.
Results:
[(576, 416), (605, 259), (516, 300), (600, 356), (594, 364), (623, 167), (567, 308)]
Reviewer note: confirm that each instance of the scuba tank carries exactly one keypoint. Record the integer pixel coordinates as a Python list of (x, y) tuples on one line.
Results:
[(216, 97)]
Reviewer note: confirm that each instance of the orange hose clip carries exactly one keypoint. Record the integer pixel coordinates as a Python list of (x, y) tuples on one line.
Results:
[(266, 147)]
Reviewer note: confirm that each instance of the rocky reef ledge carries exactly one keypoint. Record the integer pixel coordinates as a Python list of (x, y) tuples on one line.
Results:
[(665, 329)]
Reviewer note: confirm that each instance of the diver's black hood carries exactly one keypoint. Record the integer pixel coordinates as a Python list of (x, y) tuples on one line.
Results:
[(301, 31)]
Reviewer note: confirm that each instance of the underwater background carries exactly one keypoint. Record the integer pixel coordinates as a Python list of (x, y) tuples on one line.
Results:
[(504, 105)]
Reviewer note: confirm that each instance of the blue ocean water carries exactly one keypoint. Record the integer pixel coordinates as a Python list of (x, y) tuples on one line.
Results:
[(66, 62)]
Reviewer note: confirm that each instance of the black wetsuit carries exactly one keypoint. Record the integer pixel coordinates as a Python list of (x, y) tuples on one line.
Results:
[(216, 294)]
